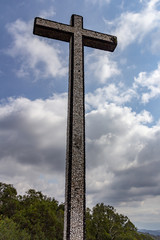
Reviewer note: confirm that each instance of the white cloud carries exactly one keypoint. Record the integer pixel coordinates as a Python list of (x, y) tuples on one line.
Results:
[(133, 26), (34, 54), (111, 93), (32, 142), (101, 65), (144, 215), (151, 81), (47, 13), (122, 160), (116, 128), (119, 150)]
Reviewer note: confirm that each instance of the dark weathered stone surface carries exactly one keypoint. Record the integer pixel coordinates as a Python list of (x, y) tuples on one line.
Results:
[(64, 32), (75, 156), (74, 223)]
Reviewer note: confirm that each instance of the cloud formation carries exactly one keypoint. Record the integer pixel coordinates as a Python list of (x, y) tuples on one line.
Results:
[(134, 26), (111, 93), (119, 146), (122, 160), (47, 13), (36, 56), (151, 81), (101, 66), (32, 137)]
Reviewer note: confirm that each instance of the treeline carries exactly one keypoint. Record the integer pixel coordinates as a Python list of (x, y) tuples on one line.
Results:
[(35, 216)]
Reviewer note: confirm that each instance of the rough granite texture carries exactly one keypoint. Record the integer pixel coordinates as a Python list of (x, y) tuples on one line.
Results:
[(74, 222)]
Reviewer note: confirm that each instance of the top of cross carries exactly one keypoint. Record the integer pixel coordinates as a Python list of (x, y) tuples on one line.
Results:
[(64, 32)]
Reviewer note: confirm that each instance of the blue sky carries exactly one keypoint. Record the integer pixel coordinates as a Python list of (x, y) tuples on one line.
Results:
[(122, 103)]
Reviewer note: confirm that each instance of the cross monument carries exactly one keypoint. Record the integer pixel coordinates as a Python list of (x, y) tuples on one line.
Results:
[(78, 37)]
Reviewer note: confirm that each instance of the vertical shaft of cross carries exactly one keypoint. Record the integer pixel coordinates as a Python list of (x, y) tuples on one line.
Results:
[(74, 223)]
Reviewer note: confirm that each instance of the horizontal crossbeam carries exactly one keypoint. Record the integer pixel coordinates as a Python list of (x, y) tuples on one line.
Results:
[(63, 32)]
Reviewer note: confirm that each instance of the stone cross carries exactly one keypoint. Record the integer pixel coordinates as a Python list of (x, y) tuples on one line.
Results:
[(78, 37)]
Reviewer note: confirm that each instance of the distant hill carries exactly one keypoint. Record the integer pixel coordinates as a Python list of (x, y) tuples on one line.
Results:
[(151, 232)]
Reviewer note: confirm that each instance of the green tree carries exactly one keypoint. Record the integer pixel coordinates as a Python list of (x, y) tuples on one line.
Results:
[(89, 225), (8, 200), (9, 230), (42, 217), (97, 223), (103, 223), (145, 237)]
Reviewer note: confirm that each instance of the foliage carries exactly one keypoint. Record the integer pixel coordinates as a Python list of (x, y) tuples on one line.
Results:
[(40, 216), (9, 230), (35, 216), (103, 223), (8, 200)]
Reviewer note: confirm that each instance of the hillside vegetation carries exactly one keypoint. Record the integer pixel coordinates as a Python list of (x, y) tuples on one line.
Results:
[(35, 216)]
